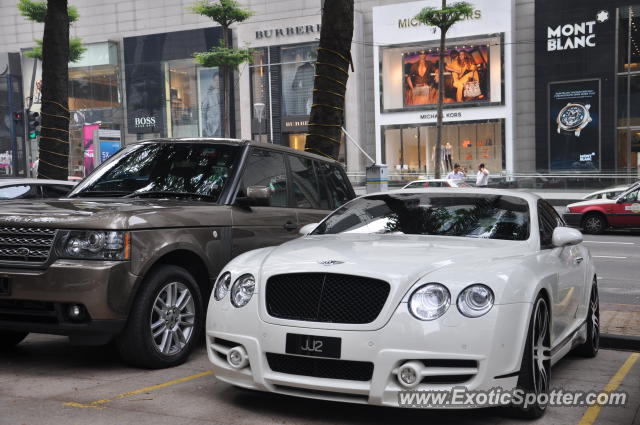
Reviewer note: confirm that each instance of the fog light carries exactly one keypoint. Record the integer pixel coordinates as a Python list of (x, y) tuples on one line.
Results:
[(409, 374), (237, 357), (76, 312)]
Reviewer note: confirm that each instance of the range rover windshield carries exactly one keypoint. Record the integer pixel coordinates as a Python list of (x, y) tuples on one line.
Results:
[(163, 170), (468, 215)]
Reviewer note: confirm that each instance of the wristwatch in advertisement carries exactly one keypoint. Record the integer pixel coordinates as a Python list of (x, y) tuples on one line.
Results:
[(573, 118)]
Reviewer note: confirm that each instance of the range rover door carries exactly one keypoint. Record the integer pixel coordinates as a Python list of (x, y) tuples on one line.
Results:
[(258, 223)]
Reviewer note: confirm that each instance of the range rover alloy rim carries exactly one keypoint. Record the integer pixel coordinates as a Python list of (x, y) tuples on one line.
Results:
[(541, 354), (172, 318)]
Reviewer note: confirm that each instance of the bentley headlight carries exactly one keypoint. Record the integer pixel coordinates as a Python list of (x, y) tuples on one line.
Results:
[(242, 290), (429, 301), (475, 300), (222, 286), (94, 245)]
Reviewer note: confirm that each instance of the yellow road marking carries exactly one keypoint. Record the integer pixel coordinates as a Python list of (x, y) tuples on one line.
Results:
[(592, 412), (99, 404)]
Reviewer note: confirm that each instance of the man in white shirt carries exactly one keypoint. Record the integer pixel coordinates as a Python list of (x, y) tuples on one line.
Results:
[(482, 178), (457, 173)]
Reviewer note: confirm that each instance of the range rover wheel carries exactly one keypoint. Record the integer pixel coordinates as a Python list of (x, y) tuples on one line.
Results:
[(594, 223), (592, 344), (536, 361), (165, 320), (10, 339)]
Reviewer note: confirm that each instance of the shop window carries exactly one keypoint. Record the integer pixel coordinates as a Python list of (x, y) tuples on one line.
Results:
[(629, 39), (411, 149), (473, 74), (260, 113), (298, 72), (622, 148)]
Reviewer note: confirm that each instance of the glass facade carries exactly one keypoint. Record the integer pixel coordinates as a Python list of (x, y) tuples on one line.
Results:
[(282, 79), (628, 120), (12, 154), (410, 149)]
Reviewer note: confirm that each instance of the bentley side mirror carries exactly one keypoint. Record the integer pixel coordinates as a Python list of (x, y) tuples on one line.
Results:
[(565, 236), (307, 228)]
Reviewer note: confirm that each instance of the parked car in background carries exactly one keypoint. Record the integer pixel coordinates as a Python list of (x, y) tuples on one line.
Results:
[(133, 251), (34, 188), (609, 193), (431, 183), (597, 215), (409, 290)]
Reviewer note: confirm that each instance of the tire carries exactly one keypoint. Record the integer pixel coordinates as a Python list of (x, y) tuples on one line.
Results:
[(165, 321), (591, 346), (594, 224), (536, 361), (10, 339)]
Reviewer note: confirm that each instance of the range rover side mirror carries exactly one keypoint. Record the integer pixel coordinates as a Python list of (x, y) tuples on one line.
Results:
[(256, 196), (307, 228), (565, 236)]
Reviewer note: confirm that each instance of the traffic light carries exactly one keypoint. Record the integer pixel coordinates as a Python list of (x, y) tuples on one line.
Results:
[(18, 116), (35, 121)]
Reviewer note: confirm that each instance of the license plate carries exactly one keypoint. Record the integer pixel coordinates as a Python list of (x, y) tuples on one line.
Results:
[(316, 346), (5, 288)]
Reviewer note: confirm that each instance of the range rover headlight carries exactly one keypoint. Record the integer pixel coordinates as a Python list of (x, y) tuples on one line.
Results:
[(475, 300), (242, 290), (222, 286), (429, 301), (94, 245)]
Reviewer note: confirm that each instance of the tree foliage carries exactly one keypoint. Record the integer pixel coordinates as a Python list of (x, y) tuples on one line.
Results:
[(446, 17), (37, 10), (223, 56), (224, 12), (76, 50)]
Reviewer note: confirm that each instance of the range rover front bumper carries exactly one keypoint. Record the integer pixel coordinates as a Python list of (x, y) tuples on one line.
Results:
[(38, 299)]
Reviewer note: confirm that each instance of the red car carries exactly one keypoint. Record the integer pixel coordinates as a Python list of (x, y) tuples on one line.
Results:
[(595, 216)]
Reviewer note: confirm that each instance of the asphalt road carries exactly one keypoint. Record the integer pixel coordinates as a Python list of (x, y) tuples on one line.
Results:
[(46, 381), (617, 258)]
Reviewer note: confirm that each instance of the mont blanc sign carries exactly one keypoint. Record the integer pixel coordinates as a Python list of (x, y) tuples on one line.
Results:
[(574, 35)]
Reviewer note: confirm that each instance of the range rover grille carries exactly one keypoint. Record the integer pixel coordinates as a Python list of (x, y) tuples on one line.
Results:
[(26, 244)]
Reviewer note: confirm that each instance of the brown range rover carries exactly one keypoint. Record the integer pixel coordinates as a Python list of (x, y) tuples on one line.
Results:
[(132, 252)]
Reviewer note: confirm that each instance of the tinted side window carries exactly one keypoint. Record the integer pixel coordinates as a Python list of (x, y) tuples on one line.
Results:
[(266, 168), (547, 224), (304, 183), (335, 183), (55, 191)]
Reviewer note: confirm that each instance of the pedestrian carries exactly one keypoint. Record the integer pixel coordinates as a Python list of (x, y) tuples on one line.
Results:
[(457, 173), (482, 178)]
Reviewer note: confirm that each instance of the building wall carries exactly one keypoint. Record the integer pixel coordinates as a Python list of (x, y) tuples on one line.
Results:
[(115, 19)]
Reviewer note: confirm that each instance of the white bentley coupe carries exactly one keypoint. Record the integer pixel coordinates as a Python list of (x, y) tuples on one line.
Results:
[(409, 290)]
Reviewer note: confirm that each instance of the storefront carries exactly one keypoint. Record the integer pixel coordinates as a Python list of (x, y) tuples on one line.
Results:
[(276, 89), (12, 147), (588, 87), (478, 93), (168, 93)]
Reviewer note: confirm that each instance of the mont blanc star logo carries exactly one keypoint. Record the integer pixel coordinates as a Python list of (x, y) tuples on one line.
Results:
[(330, 262), (602, 16)]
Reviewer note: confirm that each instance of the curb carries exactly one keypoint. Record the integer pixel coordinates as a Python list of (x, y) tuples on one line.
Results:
[(620, 342)]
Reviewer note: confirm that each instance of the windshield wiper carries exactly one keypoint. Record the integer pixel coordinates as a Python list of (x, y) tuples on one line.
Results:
[(161, 194), (97, 193)]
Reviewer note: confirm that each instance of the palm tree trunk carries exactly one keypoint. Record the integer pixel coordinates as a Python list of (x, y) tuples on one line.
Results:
[(54, 138), (227, 74), (330, 83), (438, 152)]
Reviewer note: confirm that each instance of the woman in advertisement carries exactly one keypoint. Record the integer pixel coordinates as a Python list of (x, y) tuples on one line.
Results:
[(421, 81), (465, 77)]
